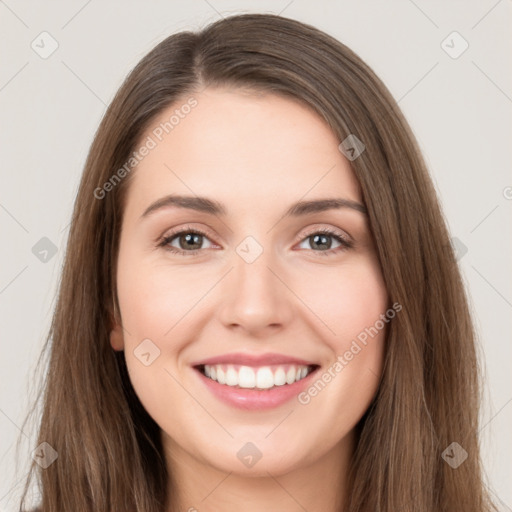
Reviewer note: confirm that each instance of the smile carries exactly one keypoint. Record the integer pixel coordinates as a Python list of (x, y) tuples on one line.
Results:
[(255, 388), (263, 377)]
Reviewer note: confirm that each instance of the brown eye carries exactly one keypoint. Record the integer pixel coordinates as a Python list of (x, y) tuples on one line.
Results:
[(321, 241), (188, 241)]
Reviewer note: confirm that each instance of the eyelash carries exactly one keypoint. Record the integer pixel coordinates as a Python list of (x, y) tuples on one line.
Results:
[(164, 241)]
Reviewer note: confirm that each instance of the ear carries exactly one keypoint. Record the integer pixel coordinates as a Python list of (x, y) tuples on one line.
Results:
[(116, 338), (116, 334)]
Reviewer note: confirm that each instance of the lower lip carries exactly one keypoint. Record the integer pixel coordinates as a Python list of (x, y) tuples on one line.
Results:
[(256, 399)]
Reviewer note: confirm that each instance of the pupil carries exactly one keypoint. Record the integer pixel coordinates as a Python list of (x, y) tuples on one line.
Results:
[(191, 239), (322, 237)]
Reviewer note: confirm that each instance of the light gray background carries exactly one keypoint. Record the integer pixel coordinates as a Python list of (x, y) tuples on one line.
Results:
[(459, 108)]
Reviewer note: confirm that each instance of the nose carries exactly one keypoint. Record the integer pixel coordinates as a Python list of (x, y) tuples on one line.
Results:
[(256, 296)]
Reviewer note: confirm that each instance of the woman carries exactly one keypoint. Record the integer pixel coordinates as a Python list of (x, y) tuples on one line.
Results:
[(211, 348)]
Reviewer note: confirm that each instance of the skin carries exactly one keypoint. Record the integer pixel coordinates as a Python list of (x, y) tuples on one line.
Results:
[(257, 154)]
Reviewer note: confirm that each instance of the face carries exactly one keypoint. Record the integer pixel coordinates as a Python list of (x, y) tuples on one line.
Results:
[(264, 294)]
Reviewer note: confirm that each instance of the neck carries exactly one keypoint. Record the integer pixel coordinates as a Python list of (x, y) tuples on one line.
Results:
[(196, 486)]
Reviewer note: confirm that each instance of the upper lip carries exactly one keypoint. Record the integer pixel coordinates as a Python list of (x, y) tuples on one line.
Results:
[(253, 360)]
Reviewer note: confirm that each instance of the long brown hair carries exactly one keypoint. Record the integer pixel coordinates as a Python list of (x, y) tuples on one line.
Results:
[(109, 448)]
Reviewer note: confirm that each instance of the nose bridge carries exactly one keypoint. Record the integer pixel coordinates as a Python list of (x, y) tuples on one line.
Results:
[(254, 296), (252, 271)]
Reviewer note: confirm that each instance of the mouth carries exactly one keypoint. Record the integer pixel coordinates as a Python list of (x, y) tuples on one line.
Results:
[(255, 388), (266, 377), (255, 381)]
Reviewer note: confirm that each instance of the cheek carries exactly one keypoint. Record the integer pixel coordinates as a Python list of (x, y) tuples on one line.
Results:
[(154, 298), (154, 310), (347, 300), (157, 298)]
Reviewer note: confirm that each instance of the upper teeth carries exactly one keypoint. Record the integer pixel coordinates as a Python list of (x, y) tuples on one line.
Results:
[(263, 378)]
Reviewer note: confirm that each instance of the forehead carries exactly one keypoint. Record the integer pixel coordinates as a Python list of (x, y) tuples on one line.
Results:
[(244, 148)]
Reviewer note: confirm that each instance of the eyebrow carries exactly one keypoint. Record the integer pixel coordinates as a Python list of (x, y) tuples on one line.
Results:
[(213, 207)]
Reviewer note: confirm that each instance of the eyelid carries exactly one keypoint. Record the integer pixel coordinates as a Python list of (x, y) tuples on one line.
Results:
[(329, 229), (187, 227)]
